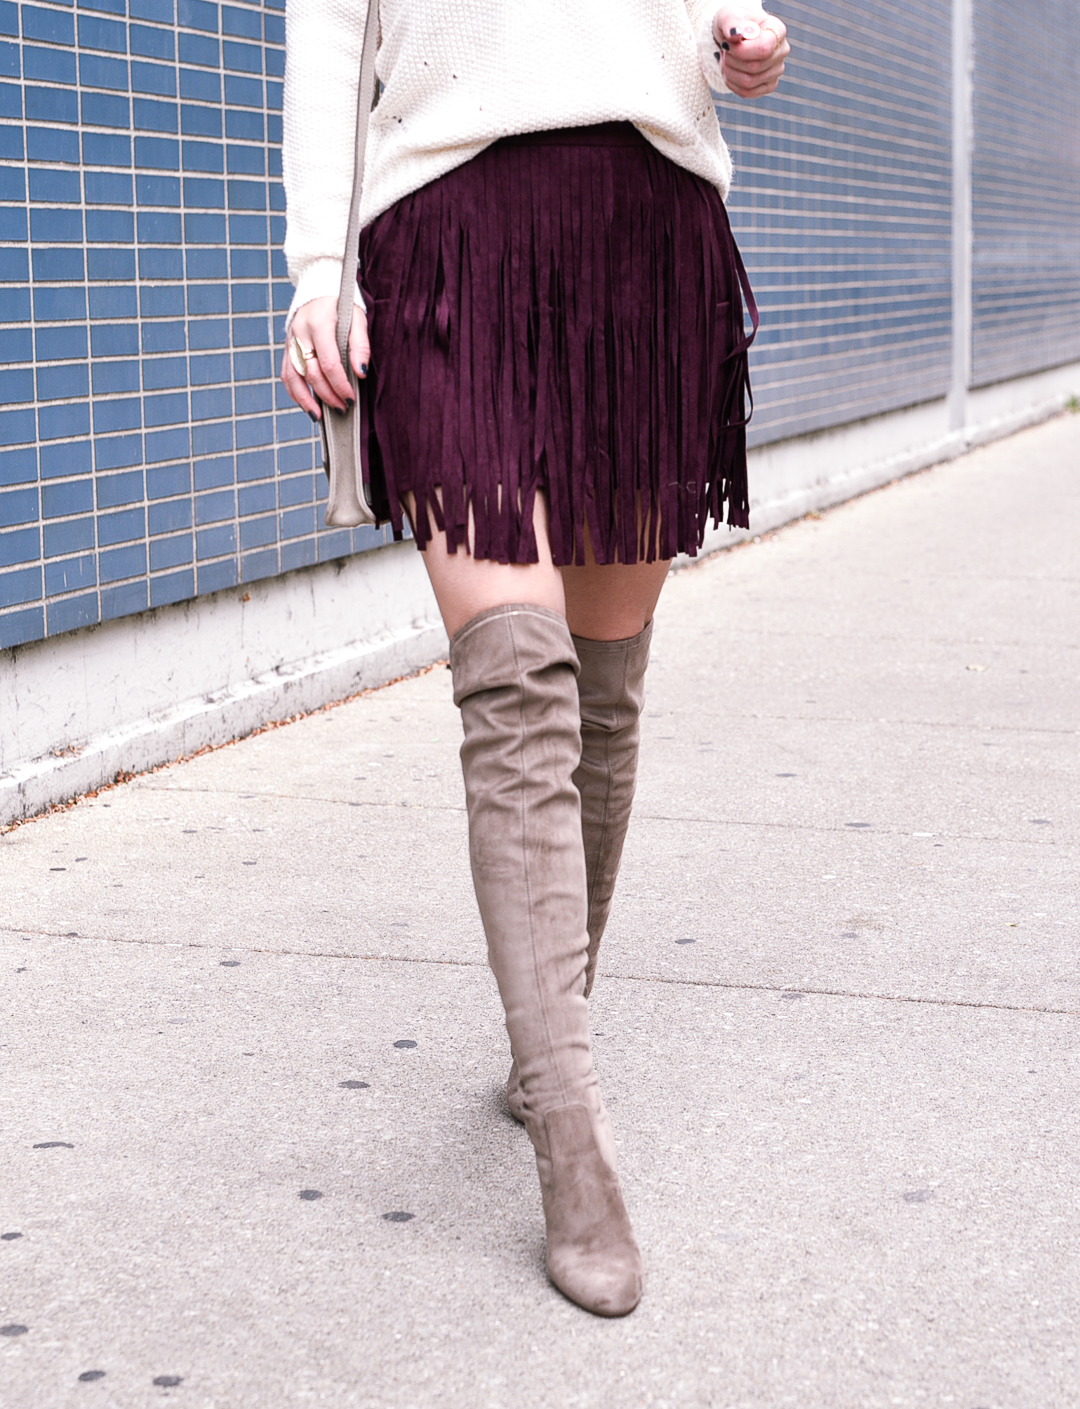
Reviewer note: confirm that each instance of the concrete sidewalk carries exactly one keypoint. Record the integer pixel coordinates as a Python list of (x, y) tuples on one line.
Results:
[(253, 1146)]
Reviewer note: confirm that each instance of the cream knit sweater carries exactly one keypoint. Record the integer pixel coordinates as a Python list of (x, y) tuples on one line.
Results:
[(458, 75)]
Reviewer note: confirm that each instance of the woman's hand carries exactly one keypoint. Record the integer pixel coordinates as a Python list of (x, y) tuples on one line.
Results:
[(755, 47), (314, 326)]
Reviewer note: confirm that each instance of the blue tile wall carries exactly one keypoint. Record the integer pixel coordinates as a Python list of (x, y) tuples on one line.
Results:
[(147, 453), (1026, 196), (842, 208)]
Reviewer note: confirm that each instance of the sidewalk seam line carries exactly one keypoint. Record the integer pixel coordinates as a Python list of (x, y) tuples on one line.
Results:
[(611, 977)]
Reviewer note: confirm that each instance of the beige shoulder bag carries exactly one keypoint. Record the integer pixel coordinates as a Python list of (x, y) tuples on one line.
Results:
[(350, 500)]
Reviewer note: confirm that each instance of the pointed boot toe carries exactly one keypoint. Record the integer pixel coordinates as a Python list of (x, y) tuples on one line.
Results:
[(601, 1280), (592, 1255)]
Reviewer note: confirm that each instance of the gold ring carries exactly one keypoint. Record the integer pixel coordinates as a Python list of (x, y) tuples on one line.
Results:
[(299, 355), (777, 40)]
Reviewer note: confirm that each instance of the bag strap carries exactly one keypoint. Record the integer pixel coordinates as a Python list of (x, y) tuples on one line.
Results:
[(364, 98)]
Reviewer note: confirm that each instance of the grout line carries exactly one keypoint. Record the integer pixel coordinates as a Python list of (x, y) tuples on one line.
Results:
[(605, 974)]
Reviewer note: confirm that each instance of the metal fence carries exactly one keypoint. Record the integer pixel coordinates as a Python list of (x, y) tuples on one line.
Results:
[(148, 455), (1026, 189)]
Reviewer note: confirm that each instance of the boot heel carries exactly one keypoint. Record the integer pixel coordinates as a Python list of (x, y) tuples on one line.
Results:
[(592, 1255)]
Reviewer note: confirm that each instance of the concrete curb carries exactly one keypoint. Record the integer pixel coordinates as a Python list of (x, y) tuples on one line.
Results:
[(389, 588), (216, 718)]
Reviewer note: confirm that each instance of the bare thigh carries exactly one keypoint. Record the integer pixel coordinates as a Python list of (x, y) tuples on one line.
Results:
[(603, 603)]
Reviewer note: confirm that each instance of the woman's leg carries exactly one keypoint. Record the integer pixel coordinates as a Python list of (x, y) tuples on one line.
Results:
[(610, 611), (515, 668)]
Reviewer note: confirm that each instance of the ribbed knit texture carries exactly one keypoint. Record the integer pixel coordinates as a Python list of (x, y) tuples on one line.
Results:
[(458, 75)]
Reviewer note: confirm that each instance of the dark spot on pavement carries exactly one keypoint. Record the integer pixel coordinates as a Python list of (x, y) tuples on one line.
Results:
[(251, 863), (787, 775), (88, 1375), (686, 941), (57, 868), (918, 1196), (230, 963), (405, 1042), (354, 1085), (856, 824), (849, 934), (397, 1217), (1036, 821), (168, 1381), (10, 1237), (791, 994), (309, 1195), (13, 1330), (54, 1145)]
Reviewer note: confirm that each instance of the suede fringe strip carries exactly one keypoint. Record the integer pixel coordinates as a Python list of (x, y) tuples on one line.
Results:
[(563, 313)]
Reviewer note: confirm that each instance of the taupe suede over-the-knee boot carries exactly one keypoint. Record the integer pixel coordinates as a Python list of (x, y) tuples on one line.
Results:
[(611, 692), (514, 670)]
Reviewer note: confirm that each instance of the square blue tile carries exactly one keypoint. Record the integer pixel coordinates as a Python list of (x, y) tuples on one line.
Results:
[(175, 586), (18, 506), (215, 542), (124, 600), (258, 565), (118, 563), (66, 459), (215, 577), (19, 628), (171, 552), (121, 527), (69, 615), (20, 545), (165, 480), (68, 536), (23, 585), (113, 490), (168, 516), (70, 575)]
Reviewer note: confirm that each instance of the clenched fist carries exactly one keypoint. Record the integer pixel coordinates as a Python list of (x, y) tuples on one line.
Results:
[(754, 46)]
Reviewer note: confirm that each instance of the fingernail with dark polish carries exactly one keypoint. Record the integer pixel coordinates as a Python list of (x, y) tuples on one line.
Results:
[(726, 47), (314, 417), (363, 369)]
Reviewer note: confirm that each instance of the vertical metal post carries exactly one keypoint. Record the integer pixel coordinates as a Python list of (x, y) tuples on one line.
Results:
[(962, 143)]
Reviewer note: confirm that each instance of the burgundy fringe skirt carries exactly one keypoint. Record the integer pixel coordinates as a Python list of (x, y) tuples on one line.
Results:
[(562, 315)]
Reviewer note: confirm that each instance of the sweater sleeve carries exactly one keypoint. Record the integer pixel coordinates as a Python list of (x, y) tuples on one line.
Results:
[(702, 13), (324, 39)]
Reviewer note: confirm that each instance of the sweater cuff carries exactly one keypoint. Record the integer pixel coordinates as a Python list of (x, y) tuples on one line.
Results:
[(711, 56), (319, 279)]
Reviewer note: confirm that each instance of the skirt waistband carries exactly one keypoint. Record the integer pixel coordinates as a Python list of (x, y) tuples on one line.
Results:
[(599, 134)]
